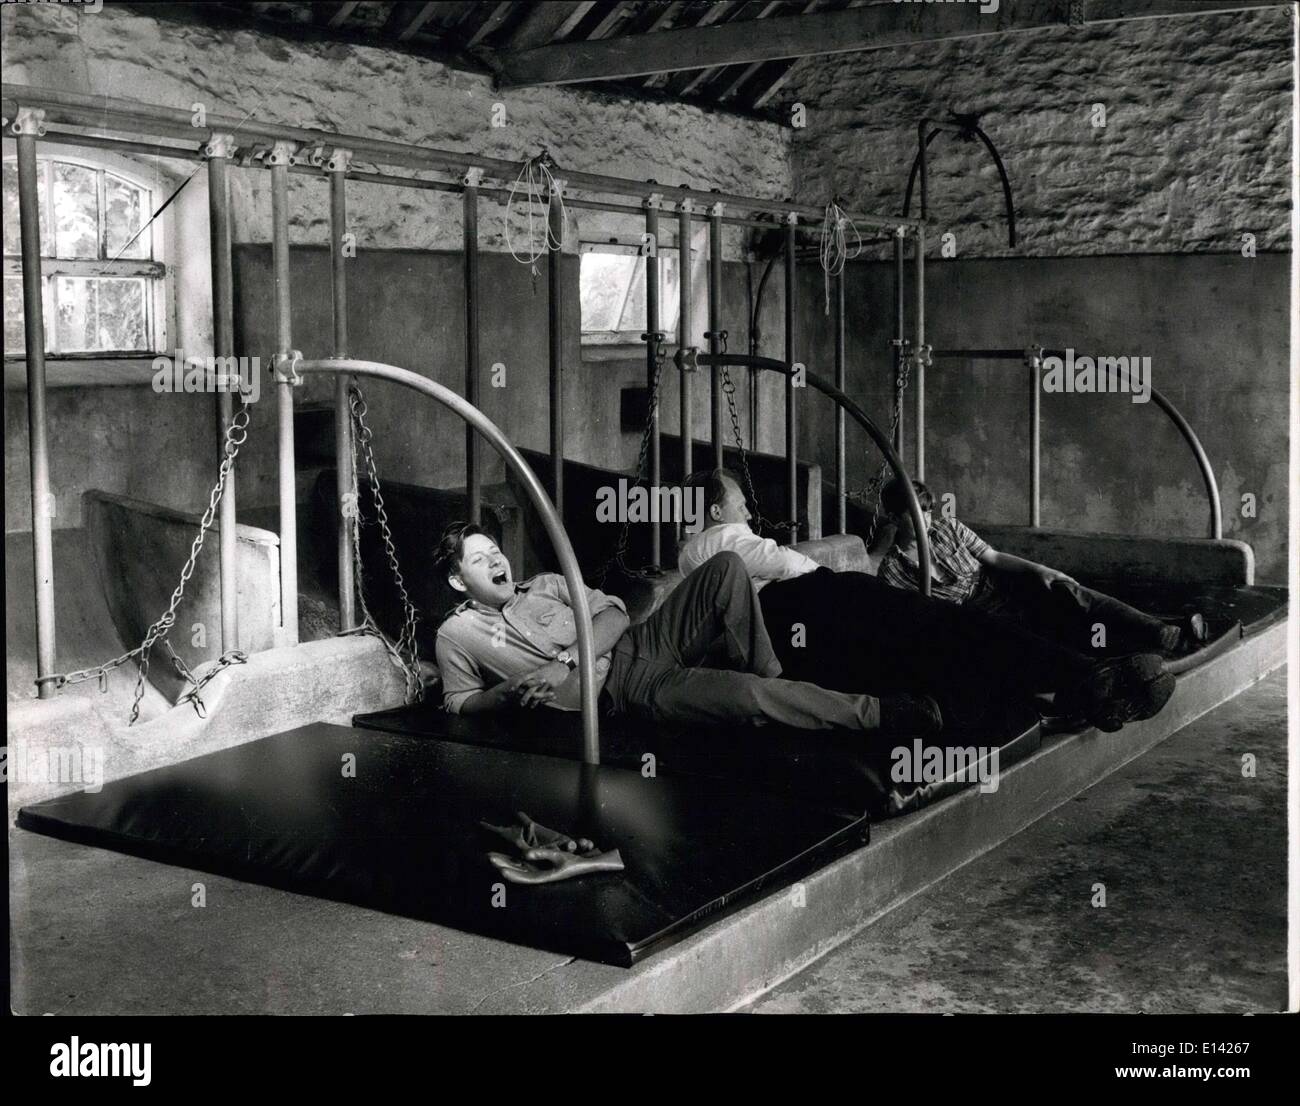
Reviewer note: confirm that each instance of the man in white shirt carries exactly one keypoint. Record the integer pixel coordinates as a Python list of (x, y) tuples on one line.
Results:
[(852, 632)]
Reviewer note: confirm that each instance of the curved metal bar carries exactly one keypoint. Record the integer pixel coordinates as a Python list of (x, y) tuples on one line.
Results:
[(540, 500), (862, 419), (915, 169), (997, 160), (1161, 401), (1189, 436), (1006, 184)]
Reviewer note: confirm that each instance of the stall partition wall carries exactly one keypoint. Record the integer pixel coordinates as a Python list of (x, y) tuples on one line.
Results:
[(406, 308), (1217, 330)]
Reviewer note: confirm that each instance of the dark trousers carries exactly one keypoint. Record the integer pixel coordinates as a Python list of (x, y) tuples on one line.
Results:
[(1071, 613), (853, 632), (657, 669)]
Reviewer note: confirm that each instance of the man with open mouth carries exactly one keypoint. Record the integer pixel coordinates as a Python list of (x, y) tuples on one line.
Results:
[(513, 645)]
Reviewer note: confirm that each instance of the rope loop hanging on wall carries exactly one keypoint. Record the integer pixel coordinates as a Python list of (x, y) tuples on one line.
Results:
[(835, 245), (539, 189)]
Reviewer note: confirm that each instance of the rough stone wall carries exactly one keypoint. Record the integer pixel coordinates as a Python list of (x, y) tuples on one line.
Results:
[(1196, 150), (399, 97)]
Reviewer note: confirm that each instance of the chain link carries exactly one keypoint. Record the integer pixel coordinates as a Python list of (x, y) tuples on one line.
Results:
[(619, 556), (236, 435), (875, 485), (729, 390), (405, 650)]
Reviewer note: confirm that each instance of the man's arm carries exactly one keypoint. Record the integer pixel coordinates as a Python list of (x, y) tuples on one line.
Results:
[(765, 560), (1009, 562), (606, 628), (463, 685)]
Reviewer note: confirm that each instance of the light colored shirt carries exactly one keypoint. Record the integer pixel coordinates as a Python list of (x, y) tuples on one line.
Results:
[(480, 646), (955, 550), (765, 561)]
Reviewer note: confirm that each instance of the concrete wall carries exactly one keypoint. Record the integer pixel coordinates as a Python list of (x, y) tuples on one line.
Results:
[(1196, 152), (407, 307), (1215, 326)]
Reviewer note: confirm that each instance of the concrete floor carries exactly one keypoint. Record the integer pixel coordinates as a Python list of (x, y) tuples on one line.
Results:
[(1193, 859), (1192, 856)]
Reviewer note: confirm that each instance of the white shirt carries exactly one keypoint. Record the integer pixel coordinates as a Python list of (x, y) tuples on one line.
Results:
[(765, 561)]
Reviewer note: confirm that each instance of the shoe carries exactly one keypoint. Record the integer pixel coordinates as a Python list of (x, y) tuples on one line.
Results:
[(1194, 632), (915, 715), (1127, 689)]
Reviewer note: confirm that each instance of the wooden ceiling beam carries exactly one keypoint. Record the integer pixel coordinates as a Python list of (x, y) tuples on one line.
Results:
[(547, 20), (852, 29)]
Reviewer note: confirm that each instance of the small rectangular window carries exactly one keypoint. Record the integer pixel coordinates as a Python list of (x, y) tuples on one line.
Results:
[(612, 281)]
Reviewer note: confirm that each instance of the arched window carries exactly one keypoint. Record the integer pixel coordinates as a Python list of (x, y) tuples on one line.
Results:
[(103, 277)]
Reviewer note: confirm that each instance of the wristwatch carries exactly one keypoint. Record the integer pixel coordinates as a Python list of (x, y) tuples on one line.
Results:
[(567, 658)]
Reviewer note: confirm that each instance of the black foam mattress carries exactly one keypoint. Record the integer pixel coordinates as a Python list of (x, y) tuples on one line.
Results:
[(402, 834), (837, 770)]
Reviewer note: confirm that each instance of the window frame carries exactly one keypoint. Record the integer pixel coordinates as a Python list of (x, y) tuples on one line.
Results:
[(155, 269), (600, 345)]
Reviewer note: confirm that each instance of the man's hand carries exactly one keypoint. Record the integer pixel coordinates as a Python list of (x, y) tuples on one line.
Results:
[(539, 686), (1050, 576)]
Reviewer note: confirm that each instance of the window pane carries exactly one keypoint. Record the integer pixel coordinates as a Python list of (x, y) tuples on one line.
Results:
[(76, 211), (670, 295), (14, 315), (634, 307), (125, 205), (12, 233), (603, 279), (101, 313)]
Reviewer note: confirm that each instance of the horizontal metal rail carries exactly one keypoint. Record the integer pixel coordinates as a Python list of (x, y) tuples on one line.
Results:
[(1161, 401), (862, 419), (112, 112), (536, 493)]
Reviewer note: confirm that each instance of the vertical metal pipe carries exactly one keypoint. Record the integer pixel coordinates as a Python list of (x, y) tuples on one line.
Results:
[(473, 446), (841, 458), (1035, 440), (921, 128), (29, 204), (338, 168), (279, 161), (652, 355), (684, 330), (899, 353), (219, 150), (555, 330), (715, 328), (918, 378), (791, 437)]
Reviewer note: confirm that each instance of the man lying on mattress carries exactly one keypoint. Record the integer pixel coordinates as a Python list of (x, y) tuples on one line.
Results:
[(514, 645), (856, 633)]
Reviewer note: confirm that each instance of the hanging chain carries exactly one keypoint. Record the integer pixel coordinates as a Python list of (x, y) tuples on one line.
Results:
[(236, 435), (871, 493), (619, 556), (405, 651), (729, 390)]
